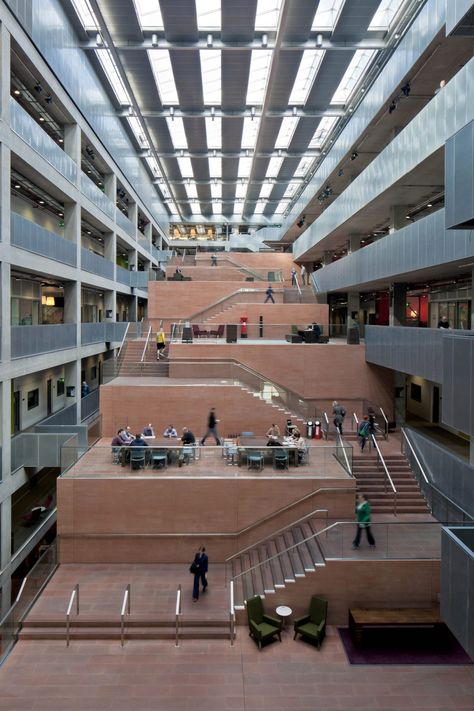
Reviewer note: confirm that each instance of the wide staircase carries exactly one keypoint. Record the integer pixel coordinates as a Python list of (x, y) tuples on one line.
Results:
[(291, 295), (131, 363), (277, 562), (371, 481)]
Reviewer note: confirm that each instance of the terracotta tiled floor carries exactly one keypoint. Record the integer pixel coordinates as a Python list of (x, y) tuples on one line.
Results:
[(208, 676)]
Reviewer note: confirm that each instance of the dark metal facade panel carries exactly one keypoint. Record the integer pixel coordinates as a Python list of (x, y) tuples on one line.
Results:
[(458, 381), (180, 20), (235, 68), (288, 168), (230, 168), (238, 20), (121, 19), (287, 66), (457, 584), (303, 134), (195, 129), (300, 20), (200, 168), (330, 73), (232, 133), (459, 179), (160, 134), (354, 19), (140, 75), (187, 75)]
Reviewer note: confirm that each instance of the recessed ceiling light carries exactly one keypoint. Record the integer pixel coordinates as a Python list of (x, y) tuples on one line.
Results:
[(60, 140), (430, 204), (41, 202), (17, 186), (17, 92), (60, 214), (41, 118)]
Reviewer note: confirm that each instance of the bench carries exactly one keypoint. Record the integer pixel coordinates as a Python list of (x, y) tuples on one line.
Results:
[(361, 619)]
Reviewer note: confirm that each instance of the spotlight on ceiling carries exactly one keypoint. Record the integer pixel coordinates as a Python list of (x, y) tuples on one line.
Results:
[(252, 113), (319, 40), (210, 40), (154, 40), (38, 87), (264, 40), (98, 40), (295, 111), (172, 112), (406, 88), (213, 113), (354, 155)]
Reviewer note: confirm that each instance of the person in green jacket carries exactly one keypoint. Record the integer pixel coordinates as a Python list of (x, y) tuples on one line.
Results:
[(363, 522)]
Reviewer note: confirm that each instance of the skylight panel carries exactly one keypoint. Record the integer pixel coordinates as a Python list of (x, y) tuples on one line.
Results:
[(353, 74), (290, 190), (216, 191), (268, 12), (266, 190), (385, 14), (177, 133), (325, 126), (195, 208), (208, 14), (214, 132), (215, 167), (249, 132), (110, 68), (86, 15), (281, 207), (258, 75), (149, 14), (153, 163), (165, 192), (238, 208), (211, 75), (245, 165), (241, 188), (327, 14), (163, 72), (137, 129), (217, 208), (274, 167), (307, 72), (260, 207), (287, 129), (191, 191), (302, 167), (185, 167)]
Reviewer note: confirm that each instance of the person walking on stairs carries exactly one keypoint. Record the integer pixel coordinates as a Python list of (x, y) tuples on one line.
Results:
[(363, 513)]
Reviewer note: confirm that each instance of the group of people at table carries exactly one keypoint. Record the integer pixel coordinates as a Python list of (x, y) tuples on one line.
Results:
[(125, 439)]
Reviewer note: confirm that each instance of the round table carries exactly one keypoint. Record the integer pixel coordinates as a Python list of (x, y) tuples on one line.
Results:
[(284, 612)]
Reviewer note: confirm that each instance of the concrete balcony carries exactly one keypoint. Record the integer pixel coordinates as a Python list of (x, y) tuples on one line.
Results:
[(415, 351), (33, 340), (96, 196), (95, 264), (34, 238)]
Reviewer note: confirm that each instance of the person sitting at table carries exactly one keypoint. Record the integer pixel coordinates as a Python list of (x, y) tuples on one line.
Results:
[(148, 431), (138, 441), (298, 441), (187, 437), (117, 440), (126, 435), (274, 442), (316, 328), (274, 431), (188, 440), (170, 432), (289, 428)]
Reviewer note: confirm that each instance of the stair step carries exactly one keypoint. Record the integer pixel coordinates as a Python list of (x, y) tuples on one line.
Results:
[(268, 584), (285, 560), (303, 549), (312, 544), (294, 554), (257, 577), (275, 565), (247, 581)]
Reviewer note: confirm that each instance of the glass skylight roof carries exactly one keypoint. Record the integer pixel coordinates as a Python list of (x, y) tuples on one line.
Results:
[(267, 14), (249, 132), (110, 68), (325, 126), (185, 167), (281, 207), (260, 207), (244, 167), (191, 191), (137, 129), (274, 167), (258, 75), (163, 73), (214, 132), (287, 129), (208, 14), (354, 72), (177, 133), (86, 15), (327, 14), (217, 208), (149, 14), (307, 71), (385, 14), (216, 191), (302, 167), (266, 190), (291, 190), (211, 75), (195, 208), (215, 167), (241, 188)]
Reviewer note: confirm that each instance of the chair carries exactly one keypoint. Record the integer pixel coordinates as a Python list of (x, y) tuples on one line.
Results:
[(261, 626), (116, 455), (137, 458), (32, 517), (159, 459), (219, 333), (198, 332), (313, 625), (246, 434), (255, 459), (303, 455), (280, 458), (187, 453)]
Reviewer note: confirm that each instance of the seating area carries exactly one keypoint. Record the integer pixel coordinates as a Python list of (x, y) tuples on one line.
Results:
[(262, 627), (312, 626)]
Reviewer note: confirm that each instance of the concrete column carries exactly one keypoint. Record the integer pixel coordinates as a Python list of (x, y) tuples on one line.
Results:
[(353, 305), (471, 452), (110, 186), (327, 258), (72, 227), (472, 314), (132, 259), (398, 303), (148, 233), (400, 397), (72, 146), (398, 218), (110, 304), (133, 216), (354, 243), (5, 74), (133, 308), (72, 306), (110, 248), (5, 299)]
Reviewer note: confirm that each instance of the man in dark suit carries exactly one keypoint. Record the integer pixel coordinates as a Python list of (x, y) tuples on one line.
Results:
[(203, 565)]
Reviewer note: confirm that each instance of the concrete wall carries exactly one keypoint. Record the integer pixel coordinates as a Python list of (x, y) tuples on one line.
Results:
[(137, 520), (284, 314), (179, 300), (271, 261)]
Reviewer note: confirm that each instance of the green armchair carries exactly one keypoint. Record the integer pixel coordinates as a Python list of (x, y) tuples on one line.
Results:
[(313, 625), (261, 626)]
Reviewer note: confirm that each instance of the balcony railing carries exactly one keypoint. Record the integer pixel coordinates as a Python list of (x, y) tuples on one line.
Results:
[(34, 238), (33, 340), (27, 128), (96, 264), (122, 275), (123, 222), (40, 449), (140, 279), (102, 332), (95, 195)]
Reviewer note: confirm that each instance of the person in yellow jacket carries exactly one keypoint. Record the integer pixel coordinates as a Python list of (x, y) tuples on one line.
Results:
[(160, 343)]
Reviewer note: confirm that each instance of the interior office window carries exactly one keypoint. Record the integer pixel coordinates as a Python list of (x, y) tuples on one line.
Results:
[(60, 387), (415, 392), (33, 399), (94, 372)]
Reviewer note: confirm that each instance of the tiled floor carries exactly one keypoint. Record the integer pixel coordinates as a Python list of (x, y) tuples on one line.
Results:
[(212, 676)]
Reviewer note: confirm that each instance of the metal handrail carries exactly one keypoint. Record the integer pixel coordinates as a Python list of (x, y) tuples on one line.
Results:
[(125, 610), (146, 345), (298, 287), (387, 474), (242, 290), (386, 423), (177, 614), (280, 530), (74, 595), (427, 481), (123, 340), (356, 420), (232, 614), (326, 431), (340, 443)]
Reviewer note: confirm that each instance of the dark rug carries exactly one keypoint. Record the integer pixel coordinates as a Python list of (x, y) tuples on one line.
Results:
[(405, 646)]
